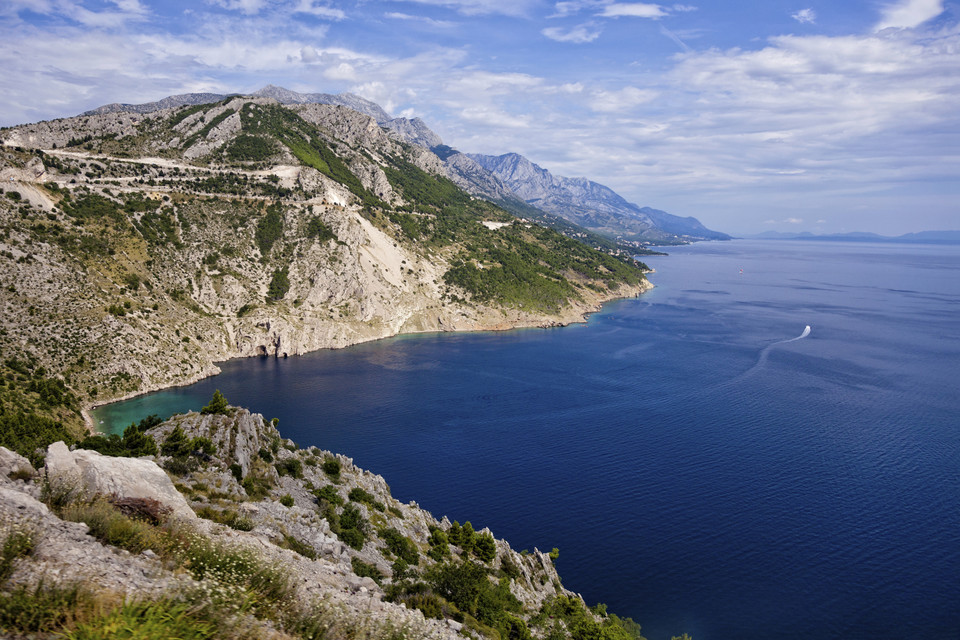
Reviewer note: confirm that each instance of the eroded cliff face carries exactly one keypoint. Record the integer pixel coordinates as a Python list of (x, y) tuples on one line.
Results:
[(258, 493), (138, 251)]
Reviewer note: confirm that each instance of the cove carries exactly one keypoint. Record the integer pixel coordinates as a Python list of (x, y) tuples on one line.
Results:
[(701, 468)]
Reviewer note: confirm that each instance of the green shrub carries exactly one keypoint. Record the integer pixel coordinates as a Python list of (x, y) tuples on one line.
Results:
[(329, 494), (134, 442), (290, 467), (366, 570), (269, 229), (305, 550), (353, 527), (43, 609), (256, 487), (18, 543), (486, 547), (147, 620), (359, 495), (286, 500), (331, 467), (279, 284), (218, 405), (401, 546), (109, 526)]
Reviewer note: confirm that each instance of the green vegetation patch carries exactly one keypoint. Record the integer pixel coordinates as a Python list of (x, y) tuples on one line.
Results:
[(303, 140), (247, 148), (269, 228)]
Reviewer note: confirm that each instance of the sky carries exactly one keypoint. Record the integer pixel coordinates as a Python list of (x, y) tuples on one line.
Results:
[(799, 115)]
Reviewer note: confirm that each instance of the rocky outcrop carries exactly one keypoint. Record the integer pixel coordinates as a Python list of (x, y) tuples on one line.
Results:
[(590, 204), (287, 528), (92, 474), (14, 465)]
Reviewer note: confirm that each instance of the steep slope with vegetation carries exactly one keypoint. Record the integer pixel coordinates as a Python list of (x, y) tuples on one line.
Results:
[(139, 249), (289, 543)]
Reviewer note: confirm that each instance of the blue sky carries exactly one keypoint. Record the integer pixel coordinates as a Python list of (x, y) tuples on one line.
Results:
[(751, 116)]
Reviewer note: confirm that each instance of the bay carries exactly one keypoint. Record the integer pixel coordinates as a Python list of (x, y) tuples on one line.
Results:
[(701, 467)]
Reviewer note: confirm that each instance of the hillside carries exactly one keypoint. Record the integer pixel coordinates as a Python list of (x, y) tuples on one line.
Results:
[(577, 207), (140, 249), (210, 525), (592, 205)]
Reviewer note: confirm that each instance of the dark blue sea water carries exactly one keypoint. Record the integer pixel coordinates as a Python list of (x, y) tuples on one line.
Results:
[(700, 468)]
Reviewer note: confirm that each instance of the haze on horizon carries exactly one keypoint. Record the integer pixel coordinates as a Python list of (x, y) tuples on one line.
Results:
[(788, 116)]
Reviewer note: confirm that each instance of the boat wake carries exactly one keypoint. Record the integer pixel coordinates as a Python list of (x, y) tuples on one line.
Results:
[(765, 352)]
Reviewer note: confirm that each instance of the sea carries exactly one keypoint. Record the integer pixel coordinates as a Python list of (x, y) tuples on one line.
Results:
[(766, 445)]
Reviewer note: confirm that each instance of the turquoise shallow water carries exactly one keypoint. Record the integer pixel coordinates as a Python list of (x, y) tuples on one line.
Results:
[(700, 468)]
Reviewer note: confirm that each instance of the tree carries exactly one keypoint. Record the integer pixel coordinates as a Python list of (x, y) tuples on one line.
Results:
[(218, 405), (279, 285)]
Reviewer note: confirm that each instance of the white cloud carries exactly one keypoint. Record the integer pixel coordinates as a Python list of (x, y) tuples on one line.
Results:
[(633, 10), (246, 7), (319, 10), (805, 16), (907, 14), (342, 71), (622, 100), (578, 35), (485, 7), (442, 24), (487, 116)]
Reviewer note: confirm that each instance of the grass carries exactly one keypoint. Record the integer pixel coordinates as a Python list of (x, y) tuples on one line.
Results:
[(147, 621), (19, 543)]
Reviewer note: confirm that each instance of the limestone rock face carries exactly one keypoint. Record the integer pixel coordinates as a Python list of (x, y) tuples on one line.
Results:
[(237, 437), (12, 462), (121, 477)]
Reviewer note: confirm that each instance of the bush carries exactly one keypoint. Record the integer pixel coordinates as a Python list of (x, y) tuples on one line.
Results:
[(140, 620), (353, 527), (218, 405), (279, 284), (359, 495), (290, 467), (177, 445), (301, 548), (19, 543), (256, 487), (366, 570), (329, 494), (133, 444), (286, 500), (331, 467), (401, 546), (486, 547)]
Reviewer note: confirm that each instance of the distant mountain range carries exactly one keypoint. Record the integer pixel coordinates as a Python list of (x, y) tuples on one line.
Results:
[(511, 180), (922, 237)]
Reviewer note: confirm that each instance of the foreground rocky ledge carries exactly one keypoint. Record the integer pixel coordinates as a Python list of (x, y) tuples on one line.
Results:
[(343, 552)]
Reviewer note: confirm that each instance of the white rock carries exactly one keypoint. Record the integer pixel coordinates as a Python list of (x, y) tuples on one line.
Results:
[(121, 477)]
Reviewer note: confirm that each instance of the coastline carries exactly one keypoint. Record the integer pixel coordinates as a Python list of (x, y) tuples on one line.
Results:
[(575, 314)]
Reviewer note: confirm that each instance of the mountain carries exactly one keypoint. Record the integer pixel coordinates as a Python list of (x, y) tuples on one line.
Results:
[(281, 95), (590, 204), (921, 237), (349, 100), (169, 102), (510, 180), (150, 246)]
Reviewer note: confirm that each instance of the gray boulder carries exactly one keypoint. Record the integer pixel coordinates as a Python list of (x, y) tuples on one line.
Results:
[(95, 474)]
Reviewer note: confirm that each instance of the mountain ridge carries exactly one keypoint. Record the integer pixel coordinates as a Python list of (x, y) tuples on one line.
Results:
[(505, 178), (918, 237)]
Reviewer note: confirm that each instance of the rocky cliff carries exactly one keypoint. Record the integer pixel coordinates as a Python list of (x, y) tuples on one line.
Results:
[(590, 204), (140, 249), (261, 539)]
